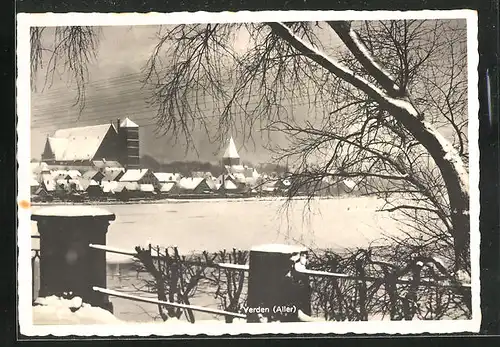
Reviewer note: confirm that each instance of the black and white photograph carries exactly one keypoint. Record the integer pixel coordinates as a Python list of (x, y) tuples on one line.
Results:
[(211, 173)]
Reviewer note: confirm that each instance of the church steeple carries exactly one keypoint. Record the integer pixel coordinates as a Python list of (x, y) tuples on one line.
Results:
[(231, 156)]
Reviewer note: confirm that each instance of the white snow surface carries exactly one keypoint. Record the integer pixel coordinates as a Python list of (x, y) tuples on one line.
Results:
[(354, 36), (72, 211), (54, 310), (279, 248)]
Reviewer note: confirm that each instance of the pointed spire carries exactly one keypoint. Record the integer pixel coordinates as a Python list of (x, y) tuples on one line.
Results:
[(231, 151), (127, 123)]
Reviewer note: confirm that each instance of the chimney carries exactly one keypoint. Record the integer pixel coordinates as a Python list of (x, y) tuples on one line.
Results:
[(118, 125)]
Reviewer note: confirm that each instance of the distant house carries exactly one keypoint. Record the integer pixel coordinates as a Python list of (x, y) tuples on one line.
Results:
[(228, 186), (102, 165), (34, 185), (112, 176), (166, 188), (48, 184), (140, 176), (229, 183), (95, 175), (74, 174), (91, 187), (108, 187), (147, 190), (58, 174), (42, 194), (195, 185), (165, 177), (126, 190)]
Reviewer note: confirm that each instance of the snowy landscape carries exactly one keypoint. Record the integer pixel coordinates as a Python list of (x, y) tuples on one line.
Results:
[(276, 171)]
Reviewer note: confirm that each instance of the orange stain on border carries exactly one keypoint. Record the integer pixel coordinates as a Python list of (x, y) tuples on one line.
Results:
[(24, 204)]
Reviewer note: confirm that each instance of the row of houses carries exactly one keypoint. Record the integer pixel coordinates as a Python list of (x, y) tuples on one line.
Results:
[(143, 183)]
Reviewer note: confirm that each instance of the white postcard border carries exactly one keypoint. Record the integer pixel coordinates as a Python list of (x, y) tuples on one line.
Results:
[(25, 21)]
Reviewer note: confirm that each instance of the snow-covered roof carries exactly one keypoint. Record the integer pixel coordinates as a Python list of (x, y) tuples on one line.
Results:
[(62, 182), (58, 146), (240, 177), (146, 188), (190, 183), (210, 183), (58, 173), (127, 123), (166, 187), (74, 173), (166, 176), (133, 175), (87, 182), (49, 185), (109, 186), (349, 183), (230, 185), (90, 174), (34, 182), (78, 143), (107, 165), (112, 175), (132, 186), (231, 151)]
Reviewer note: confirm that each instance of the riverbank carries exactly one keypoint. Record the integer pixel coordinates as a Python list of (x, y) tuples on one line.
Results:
[(180, 200)]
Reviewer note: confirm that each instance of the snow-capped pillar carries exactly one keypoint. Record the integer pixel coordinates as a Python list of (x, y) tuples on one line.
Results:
[(67, 263), (276, 291)]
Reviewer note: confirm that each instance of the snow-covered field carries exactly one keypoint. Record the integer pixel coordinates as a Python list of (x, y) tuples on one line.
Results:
[(214, 225)]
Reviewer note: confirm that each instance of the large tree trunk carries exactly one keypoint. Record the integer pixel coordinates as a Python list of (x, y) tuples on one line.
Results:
[(451, 166)]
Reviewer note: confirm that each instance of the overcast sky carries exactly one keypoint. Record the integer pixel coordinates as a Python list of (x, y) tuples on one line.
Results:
[(114, 91)]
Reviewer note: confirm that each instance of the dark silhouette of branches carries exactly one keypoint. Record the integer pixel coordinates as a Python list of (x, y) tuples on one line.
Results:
[(69, 54), (393, 115)]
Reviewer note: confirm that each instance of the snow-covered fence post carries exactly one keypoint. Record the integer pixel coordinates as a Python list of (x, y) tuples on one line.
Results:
[(276, 292), (67, 263)]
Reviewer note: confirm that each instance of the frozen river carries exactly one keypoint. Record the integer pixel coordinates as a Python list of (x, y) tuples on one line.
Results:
[(214, 225)]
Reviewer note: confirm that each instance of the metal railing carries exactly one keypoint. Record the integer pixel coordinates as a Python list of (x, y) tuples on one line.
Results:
[(394, 279)]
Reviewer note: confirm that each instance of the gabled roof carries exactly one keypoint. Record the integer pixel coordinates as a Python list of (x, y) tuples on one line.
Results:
[(112, 175), (147, 188), (127, 123), (133, 175), (190, 183), (210, 183), (108, 164), (350, 184), (49, 185), (166, 176), (166, 187), (90, 174), (87, 182), (74, 173), (231, 151), (58, 146), (132, 186), (79, 143), (109, 186), (229, 185), (58, 173)]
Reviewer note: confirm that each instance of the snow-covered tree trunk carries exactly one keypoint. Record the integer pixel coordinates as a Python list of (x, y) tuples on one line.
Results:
[(393, 100)]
